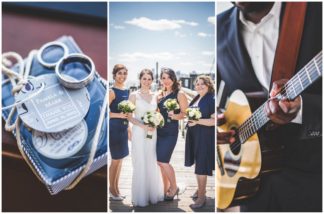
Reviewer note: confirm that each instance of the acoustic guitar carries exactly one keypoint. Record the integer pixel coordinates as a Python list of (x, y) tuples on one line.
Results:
[(242, 159)]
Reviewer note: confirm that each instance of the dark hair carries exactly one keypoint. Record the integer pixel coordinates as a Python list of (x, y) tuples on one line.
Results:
[(117, 68), (208, 82), (173, 77), (145, 71)]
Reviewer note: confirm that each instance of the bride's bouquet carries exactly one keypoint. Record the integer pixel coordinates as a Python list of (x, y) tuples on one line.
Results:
[(126, 107), (153, 119), (193, 113), (171, 105)]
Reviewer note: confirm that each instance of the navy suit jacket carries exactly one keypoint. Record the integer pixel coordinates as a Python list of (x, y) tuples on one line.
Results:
[(303, 142)]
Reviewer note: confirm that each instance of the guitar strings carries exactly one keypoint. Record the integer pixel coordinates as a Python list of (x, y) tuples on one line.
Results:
[(291, 84), (315, 65), (256, 117), (251, 121), (245, 127)]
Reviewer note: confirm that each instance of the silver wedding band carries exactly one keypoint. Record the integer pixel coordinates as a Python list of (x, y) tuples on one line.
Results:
[(69, 81), (48, 45), (65, 80)]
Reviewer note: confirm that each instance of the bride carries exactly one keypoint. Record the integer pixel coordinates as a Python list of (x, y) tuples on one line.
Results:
[(147, 184)]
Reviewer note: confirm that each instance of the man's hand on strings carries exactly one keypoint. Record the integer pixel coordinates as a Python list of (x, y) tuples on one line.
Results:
[(283, 111), (224, 137)]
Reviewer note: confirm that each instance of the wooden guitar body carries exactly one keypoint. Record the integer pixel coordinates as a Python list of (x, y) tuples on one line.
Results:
[(244, 161), (240, 162)]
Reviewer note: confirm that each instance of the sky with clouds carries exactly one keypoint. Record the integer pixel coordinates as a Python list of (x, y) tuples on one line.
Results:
[(177, 35)]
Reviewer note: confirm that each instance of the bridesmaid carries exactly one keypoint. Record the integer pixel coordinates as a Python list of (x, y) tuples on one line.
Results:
[(118, 133), (167, 135), (200, 138)]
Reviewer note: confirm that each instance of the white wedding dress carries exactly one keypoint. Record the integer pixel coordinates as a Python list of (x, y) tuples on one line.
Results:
[(147, 186)]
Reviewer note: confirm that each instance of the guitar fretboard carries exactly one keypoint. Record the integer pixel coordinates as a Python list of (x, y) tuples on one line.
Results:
[(293, 88)]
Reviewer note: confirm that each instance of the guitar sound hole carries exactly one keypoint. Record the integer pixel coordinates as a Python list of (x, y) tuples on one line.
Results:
[(236, 146)]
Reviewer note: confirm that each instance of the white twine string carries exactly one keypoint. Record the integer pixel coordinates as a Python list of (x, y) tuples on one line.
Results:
[(18, 81)]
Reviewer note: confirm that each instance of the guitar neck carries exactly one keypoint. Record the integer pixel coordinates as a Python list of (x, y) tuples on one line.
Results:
[(292, 89)]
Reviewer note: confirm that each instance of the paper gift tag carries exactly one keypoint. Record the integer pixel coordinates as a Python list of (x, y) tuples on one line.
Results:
[(55, 109), (62, 144)]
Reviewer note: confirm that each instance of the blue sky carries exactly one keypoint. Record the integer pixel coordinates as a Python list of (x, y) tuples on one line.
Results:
[(177, 35)]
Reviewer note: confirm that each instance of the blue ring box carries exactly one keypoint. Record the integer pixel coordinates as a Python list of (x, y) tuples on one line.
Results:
[(56, 179)]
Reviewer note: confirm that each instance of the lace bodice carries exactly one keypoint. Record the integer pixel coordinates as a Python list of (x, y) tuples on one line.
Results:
[(143, 106)]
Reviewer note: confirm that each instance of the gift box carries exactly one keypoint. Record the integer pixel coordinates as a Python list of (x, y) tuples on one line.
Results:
[(58, 178)]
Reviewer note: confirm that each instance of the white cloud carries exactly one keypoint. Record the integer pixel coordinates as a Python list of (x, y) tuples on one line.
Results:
[(204, 35), (208, 53), (201, 34), (183, 22), (212, 20), (159, 25), (119, 27), (155, 25), (180, 35)]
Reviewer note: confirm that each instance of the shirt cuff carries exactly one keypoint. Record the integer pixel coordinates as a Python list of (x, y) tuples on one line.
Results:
[(299, 118)]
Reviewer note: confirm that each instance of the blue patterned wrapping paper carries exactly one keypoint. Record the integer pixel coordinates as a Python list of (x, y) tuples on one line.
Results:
[(57, 179)]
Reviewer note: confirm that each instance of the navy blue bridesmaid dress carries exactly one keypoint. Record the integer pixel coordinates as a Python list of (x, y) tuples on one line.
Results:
[(118, 134), (200, 140), (167, 136)]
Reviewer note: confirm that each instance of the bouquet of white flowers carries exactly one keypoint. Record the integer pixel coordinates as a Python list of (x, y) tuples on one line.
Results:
[(153, 119), (193, 113), (126, 106), (171, 105)]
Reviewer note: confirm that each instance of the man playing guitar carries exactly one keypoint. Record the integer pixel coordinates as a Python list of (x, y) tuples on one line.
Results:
[(247, 42)]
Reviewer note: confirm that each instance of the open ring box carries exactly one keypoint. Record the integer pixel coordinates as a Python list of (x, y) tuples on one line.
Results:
[(54, 176)]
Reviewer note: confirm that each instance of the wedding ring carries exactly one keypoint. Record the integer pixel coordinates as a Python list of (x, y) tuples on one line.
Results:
[(46, 48), (69, 81)]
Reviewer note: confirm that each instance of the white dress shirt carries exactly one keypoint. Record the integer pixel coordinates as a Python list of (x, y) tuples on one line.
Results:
[(261, 42)]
